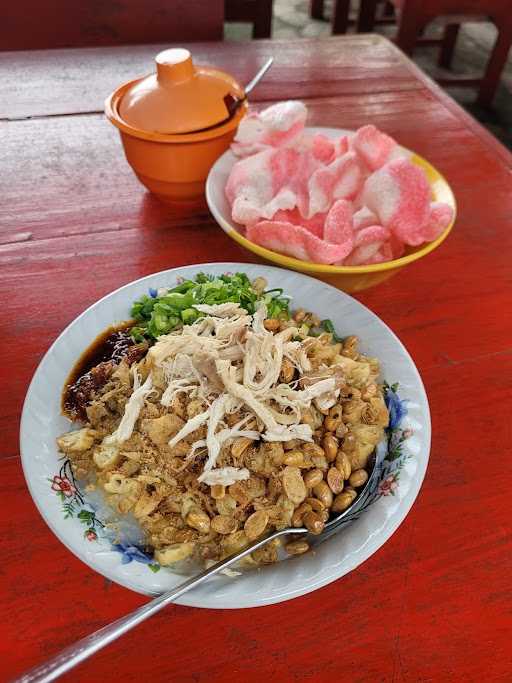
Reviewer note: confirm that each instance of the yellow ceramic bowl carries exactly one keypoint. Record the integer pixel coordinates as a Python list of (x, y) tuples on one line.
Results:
[(346, 278)]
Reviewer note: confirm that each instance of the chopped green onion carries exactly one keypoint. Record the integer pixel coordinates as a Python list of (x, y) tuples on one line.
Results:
[(189, 315), (162, 314), (329, 327), (137, 334)]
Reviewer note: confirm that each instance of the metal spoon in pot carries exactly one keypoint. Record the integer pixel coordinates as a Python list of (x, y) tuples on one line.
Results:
[(78, 652), (233, 103)]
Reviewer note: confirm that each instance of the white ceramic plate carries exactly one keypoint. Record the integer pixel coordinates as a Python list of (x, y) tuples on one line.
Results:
[(42, 422)]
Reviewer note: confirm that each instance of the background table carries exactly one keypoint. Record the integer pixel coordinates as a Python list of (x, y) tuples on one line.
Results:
[(434, 603)]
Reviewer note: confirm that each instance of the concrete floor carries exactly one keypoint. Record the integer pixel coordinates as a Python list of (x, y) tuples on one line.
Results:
[(291, 20)]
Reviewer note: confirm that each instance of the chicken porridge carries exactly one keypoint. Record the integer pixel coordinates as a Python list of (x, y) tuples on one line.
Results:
[(218, 415)]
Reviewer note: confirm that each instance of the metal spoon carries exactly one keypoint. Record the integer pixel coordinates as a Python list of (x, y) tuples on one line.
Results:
[(233, 103), (78, 652)]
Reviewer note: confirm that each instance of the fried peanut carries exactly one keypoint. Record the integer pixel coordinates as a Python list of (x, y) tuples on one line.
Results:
[(313, 477), (291, 445), (358, 478), (271, 324), (294, 458), (255, 524), (226, 505), (240, 446), (298, 514), (352, 492), (315, 504), (323, 493), (313, 522), (174, 553), (293, 484), (330, 444), (342, 502), (297, 547), (199, 520), (223, 524), (267, 554), (313, 450), (235, 542), (343, 464), (335, 480), (218, 491), (341, 430)]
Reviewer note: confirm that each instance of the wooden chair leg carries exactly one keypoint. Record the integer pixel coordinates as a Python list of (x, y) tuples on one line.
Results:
[(451, 32), (340, 18), (262, 26), (366, 18), (316, 9), (495, 66), (410, 28)]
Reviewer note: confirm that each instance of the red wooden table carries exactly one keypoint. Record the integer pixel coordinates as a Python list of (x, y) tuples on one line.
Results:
[(434, 603)]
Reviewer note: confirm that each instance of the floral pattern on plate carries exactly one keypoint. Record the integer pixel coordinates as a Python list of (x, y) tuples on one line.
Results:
[(74, 505)]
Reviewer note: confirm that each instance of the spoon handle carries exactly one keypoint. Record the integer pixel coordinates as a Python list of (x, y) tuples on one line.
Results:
[(78, 652), (81, 650), (258, 76)]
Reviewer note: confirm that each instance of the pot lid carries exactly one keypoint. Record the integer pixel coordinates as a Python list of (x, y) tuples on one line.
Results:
[(180, 97)]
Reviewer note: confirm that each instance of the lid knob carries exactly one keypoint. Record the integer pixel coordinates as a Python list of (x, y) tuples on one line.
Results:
[(174, 66), (179, 98)]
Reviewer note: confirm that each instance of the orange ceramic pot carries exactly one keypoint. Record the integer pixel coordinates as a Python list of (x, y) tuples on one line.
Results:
[(174, 165)]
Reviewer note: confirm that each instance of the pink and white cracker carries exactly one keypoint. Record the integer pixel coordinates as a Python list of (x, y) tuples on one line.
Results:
[(363, 218), (279, 125), (355, 200), (341, 179), (441, 215), (314, 224), (338, 225), (323, 148), (270, 181), (399, 195), (369, 244), (372, 146), (296, 241)]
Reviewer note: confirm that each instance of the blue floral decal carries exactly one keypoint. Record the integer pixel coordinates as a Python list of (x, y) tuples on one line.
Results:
[(130, 553), (396, 406), (74, 505), (396, 453)]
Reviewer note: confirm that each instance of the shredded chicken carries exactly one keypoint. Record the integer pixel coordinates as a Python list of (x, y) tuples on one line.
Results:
[(133, 408), (192, 424), (228, 355), (224, 476), (217, 411), (227, 310)]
